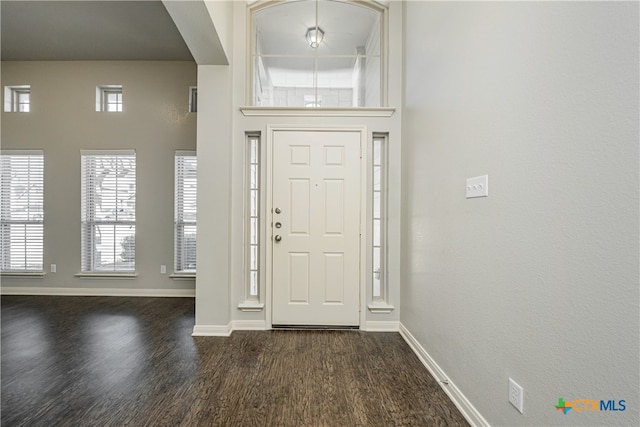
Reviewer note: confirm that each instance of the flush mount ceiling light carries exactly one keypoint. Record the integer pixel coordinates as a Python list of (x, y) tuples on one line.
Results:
[(314, 36)]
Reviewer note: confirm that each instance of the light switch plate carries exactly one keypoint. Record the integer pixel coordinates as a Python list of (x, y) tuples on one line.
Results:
[(516, 395), (478, 186)]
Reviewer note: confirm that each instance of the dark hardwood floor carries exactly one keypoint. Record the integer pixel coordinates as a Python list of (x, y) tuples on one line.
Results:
[(110, 361)]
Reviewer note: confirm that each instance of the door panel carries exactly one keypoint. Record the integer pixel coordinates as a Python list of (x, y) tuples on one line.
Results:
[(316, 186), (300, 206), (299, 269)]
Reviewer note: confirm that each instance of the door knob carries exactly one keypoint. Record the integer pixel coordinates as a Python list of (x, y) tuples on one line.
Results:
[(278, 210), (277, 238)]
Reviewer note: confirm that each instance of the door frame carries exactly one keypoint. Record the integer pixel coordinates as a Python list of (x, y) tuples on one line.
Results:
[(268, 197)]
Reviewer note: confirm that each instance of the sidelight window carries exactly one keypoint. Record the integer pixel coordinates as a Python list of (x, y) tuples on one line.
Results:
[(379, 217), (253, 217), (253, 206)]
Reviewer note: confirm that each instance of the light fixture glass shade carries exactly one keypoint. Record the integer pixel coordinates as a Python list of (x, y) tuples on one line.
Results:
[(315, 36)]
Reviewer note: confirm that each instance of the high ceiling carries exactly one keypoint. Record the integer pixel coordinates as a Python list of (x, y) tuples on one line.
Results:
[(282, 28), (89, 30), (142, 29)]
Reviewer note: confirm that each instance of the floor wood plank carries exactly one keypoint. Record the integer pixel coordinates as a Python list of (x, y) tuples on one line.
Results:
[(111, 361)]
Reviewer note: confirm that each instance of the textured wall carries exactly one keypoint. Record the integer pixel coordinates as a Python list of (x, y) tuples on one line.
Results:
[(155, 122), (539, 281)]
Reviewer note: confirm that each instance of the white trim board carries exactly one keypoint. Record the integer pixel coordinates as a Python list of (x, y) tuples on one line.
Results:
[(212, 330), (98, 292), (470, 413), (381, 326), (248, 325), (316, 112), (261, 325)]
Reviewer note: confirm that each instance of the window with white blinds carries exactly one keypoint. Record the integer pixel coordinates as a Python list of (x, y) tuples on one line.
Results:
[(108, 186), (186, 194), (22, 213)]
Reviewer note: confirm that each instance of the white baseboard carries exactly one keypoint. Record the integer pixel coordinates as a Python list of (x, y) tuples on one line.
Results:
[(248, 325), (98, 292), (462, 403), (381, 326), (211, 330)]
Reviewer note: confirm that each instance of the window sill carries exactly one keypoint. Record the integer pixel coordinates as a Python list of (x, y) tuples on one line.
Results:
[(380, 307), (317, 112), (250, 305), (183, 276), (30, 274), (107, 275)]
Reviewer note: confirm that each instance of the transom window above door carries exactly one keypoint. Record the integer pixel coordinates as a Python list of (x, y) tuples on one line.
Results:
[(317, 53)]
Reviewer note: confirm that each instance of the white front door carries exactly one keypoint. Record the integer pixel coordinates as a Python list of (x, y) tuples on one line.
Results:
[(316, 228)]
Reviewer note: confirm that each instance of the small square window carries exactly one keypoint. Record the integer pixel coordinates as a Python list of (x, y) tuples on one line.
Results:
[(109, 98), (17, 99), (193, 99)]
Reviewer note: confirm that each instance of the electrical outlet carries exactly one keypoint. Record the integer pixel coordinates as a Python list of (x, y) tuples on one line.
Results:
[(53, 268), (516, 395), (163, 269)]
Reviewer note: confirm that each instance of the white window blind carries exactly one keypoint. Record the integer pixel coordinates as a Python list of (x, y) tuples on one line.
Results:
[(22, 213), (108, 186), (186, 194)]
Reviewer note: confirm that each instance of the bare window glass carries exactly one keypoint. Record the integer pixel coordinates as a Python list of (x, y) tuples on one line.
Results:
[(17, 99), (254, 214), (109, 98), (317, 53)]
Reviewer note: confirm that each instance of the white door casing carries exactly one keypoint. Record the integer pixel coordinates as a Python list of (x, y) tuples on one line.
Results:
[(316, 185)]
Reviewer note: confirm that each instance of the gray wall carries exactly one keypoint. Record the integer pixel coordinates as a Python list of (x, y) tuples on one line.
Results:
[(63, 120), (539, 281)]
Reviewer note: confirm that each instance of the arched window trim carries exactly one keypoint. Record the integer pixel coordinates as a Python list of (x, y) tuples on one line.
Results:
[(376, 6)]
